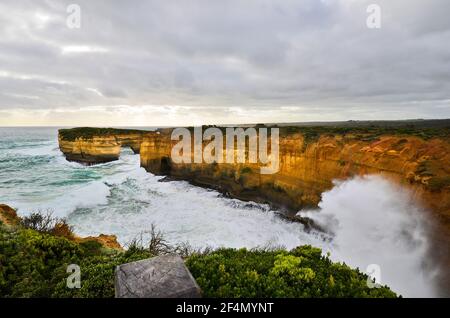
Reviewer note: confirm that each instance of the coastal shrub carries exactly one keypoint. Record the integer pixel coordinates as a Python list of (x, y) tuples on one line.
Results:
[(31, 261), (367, 132), (38, 221), (97, 276), (158, 244), (89, 132), (34, 264), (302, 272), (62, 228), (45, 222), (91, 247)]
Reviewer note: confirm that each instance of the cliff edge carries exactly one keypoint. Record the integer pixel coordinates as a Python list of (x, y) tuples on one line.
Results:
[(97, 145)]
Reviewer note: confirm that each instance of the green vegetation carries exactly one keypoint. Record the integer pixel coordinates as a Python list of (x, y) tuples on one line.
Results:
[(46, 223), (302, 272), (34, 264), (89, 132), (368, 133)]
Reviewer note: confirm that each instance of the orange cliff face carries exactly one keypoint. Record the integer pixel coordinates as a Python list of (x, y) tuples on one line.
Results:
[(98, 149), (307, 170), (8, 215)]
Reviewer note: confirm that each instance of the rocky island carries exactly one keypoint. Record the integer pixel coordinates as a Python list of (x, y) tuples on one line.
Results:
[(96, 145)]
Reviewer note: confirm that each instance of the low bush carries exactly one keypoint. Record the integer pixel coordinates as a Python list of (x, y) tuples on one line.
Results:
[(34, 264), (47, 223), (302, 272), (89, 132)]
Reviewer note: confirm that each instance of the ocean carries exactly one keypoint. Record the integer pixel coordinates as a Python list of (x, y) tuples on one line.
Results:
[(370, 222)]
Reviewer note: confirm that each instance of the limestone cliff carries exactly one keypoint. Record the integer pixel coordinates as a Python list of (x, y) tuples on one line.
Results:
[(108, 241), (8, 215), (310, 159), (308, 167), (95, 145)]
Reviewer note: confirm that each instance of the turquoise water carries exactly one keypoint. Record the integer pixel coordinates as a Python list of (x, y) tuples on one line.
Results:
[(32, 170), (371, 221), (34, 174)]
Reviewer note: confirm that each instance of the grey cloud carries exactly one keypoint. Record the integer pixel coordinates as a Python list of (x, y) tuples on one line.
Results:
[(258, 55)]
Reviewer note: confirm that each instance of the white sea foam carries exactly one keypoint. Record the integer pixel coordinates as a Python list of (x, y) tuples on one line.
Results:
[(185, 213), (375, 222), (61, 204)]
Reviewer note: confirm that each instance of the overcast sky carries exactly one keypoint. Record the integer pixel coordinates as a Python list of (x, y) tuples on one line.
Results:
[(194, 62)]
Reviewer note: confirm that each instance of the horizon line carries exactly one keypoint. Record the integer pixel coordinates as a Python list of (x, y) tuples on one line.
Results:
[(235, 124)]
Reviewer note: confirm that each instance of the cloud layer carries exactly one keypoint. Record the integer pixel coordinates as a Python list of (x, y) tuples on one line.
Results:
[(191, 62)]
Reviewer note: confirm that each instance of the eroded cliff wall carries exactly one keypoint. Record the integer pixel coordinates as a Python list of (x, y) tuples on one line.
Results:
[(98, 148), (308, 168)]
